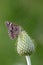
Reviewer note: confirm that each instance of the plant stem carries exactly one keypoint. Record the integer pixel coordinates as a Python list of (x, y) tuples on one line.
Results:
[(28, 60)]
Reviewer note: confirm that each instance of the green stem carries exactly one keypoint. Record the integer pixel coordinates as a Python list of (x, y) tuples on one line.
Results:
[(28, 60)]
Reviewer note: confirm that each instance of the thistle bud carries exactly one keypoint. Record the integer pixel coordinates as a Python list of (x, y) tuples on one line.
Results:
[(25, 45)]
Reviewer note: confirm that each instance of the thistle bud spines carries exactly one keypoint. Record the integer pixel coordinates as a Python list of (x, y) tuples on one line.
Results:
[(25, 45)]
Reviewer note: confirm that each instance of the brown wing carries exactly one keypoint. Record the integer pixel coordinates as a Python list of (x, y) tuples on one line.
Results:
[(13, 29)]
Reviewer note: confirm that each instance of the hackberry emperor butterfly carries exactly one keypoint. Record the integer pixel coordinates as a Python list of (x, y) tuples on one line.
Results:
[(13, 29)]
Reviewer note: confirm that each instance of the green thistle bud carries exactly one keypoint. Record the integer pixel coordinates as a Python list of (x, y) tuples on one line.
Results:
[(25, 45)]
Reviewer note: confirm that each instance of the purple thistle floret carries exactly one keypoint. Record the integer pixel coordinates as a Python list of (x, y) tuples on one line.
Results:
[(13, 29)]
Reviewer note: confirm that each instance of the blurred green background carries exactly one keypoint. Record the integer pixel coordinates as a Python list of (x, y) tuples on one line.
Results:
[(28, 14)]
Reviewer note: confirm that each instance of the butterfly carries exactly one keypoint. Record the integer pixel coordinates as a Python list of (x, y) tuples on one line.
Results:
[(13, 29)]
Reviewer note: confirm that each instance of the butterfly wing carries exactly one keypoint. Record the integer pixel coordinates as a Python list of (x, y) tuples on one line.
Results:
[(13, 29)]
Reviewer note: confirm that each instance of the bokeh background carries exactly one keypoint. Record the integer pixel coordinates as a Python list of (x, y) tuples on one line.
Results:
[(28, 14)]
